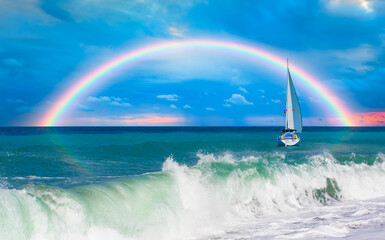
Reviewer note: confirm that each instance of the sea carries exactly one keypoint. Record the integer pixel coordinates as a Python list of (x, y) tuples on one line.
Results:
[(191, 183)]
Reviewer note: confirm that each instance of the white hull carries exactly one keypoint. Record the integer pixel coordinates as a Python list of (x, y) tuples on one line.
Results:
[(288, 142)]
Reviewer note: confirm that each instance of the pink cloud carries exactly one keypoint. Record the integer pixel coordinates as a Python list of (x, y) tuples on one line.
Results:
[(153, 121), (368, 119), (135, 120), (362, 119)]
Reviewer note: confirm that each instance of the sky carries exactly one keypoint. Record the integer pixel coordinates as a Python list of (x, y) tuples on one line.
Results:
[(46, 46)]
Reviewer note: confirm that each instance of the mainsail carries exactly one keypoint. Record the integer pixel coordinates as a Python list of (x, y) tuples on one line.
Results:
[(293, 110)]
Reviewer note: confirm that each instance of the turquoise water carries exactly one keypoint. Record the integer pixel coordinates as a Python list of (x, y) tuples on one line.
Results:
[(183, 183)]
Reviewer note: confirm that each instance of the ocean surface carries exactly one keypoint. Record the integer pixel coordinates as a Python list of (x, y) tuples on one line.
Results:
[(191, 183)]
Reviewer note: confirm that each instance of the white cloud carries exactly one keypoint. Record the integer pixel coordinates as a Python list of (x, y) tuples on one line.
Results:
[(210, 109), (350, 5), (84, 108), (115, 101), (169, 97), (226, 105), (276, 100), (120, 104), (238, 99), (98, 99), (186, 107), (172, 106), (360, 9), (243, 90)]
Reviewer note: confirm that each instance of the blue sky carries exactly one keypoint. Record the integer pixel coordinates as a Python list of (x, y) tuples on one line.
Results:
[(46, 45)]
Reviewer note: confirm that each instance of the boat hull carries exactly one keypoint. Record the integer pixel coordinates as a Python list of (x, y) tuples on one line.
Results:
[(288, 141)]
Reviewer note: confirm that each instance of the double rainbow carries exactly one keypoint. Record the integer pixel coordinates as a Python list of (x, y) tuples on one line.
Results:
[(53, 115)]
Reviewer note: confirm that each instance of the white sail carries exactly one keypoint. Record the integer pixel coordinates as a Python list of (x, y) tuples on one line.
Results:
[(293, 110)]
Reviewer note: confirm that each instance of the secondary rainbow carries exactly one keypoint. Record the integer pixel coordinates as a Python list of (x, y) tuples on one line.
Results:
[(52, 116)]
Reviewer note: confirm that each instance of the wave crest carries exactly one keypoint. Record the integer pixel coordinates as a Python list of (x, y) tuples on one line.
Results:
[(187, 201)]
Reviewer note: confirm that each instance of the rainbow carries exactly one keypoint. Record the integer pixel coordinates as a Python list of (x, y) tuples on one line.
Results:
[(52, 116)]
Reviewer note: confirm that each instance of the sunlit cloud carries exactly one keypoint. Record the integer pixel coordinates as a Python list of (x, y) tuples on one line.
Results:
[(169, 97), (120, 104), (84, 108), (366, 5), (176, 32), (238, 99), (134, 120), (114, 101), (243, 90), (153, 121), (100, 99), (368, 119), (360, 119)]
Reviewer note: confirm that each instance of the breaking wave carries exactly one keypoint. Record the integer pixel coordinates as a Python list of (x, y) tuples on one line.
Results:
[(187, 201)]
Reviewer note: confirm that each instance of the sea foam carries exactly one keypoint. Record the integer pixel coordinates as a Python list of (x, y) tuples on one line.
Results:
[(219, 194)]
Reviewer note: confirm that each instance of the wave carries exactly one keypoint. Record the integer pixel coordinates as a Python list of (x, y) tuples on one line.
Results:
[(187, 201)]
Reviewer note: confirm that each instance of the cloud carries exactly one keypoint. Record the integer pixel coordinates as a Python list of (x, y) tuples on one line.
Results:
[(276, 100), (243, 90), (84, 108), (226, 105), (357, 58), (120, 104), (176, 32), (11, 62), (134, 120), (170, 97), (210, 109), (186, 107), (114, 101), (98, 99), (350, 6), (238, 99), (172, 106), (357, 119), (153, 120), (368, 119)]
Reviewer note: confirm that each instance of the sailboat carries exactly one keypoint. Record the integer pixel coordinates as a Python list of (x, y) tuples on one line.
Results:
[(293, 124)]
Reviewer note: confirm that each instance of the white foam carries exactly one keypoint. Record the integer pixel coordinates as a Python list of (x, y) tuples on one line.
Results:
[(220, 197)]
